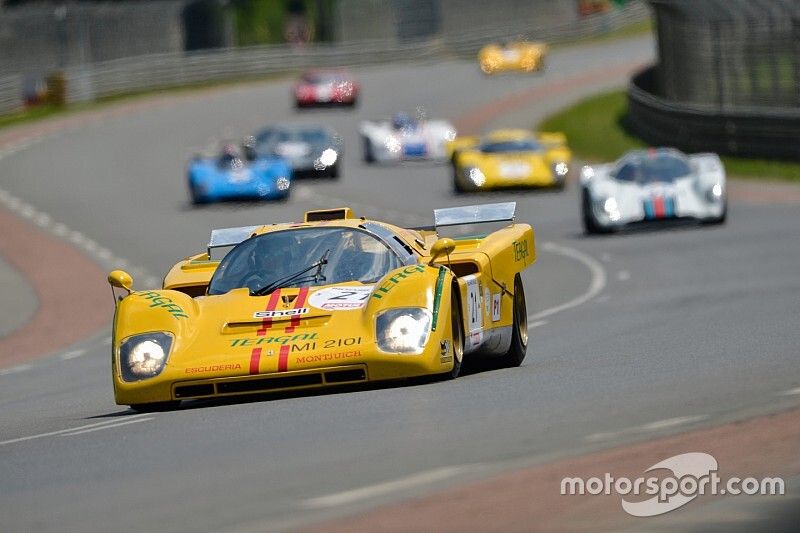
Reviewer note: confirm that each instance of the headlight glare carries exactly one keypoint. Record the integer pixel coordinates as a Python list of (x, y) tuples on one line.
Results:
[(475, 176), (144, 356), (403, 330), (326, 159), (282, 183), (560, 169)]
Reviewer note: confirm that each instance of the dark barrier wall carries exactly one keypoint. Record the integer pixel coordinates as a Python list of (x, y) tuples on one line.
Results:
[(752, 132), (727, 80)]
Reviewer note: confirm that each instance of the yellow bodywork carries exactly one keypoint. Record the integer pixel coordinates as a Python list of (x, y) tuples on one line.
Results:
[(523, 56), (220, 348), (546, 167)]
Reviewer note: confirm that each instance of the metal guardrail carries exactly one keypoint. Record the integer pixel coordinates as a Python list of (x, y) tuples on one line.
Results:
[(119, 76), (752, 131), (10, 93)]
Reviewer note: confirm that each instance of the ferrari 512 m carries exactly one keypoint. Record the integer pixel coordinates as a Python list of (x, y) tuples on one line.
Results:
[(510, 158), (522, 56), (653, 186), (229, 176), (332, 300)]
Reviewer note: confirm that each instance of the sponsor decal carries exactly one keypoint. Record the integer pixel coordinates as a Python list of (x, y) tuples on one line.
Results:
[(496, 299), (333, 356), (392, 282), (520, 250), (157, 300), (437, 297), (338, 343), (475, 339), (212, 368), (340, 298), (283, 340), (474, 303), (487, 299), (281, 313)]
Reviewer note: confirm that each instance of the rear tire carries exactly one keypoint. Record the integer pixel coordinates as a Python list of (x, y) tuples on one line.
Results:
[(155, 407), (519, 335)]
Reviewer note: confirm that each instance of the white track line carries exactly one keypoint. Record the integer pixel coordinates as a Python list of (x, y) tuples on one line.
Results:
[(71, 355), (537, 324), (623, 275), (15, 370), (381, 489), (108, 426), (595, 287), (68, 430), (791, 392), (644, 428)]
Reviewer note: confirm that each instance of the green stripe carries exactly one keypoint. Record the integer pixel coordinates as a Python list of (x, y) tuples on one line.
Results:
[(437, 297)]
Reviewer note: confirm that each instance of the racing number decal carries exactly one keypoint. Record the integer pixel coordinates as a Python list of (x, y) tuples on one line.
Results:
[(474, 310), (342, 298)]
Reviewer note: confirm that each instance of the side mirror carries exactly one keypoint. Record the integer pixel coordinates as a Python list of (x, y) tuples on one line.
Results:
[(443, 246), (120, 279)]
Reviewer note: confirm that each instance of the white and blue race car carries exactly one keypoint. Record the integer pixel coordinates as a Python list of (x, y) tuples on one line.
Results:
[(404, 138)]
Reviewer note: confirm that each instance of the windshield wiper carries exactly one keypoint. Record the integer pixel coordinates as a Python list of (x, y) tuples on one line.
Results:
[(284, 281)]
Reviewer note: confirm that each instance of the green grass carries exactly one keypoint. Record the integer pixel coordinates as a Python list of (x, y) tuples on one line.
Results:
[(595, 133)]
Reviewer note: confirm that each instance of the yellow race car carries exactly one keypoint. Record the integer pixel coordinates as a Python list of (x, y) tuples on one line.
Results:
[(512, 56), (510, 158), (330, 301)]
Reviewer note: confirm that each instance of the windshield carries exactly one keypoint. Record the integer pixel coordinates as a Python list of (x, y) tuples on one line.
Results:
[(352, 255), (658, 168), (525, 145), (270, 140)]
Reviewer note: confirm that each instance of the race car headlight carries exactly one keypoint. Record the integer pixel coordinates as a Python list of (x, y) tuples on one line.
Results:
[(560, 169), (326, 159), (144, 356), (392, 144), (611, 208), (475, 175), (403, 330), (282, 183), (587, 173), (714, 193)]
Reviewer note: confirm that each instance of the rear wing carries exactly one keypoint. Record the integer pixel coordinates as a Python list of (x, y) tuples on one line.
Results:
[(225, 237), (472, 214)]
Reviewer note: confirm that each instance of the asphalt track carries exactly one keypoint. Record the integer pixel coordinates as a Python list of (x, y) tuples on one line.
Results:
[(632, 336)]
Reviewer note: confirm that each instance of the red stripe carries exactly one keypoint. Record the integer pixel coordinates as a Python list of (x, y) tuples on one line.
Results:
[(283, 358), (255, 359), (298, 303), (267, 322), (658, 205)]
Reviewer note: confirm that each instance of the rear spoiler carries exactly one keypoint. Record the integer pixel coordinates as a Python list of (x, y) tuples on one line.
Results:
[(472, 214), (220, 238)]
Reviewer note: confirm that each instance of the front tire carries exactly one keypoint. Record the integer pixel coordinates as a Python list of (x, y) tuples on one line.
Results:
[(519, 335), (457, 338), (590, 225), (369, 157)]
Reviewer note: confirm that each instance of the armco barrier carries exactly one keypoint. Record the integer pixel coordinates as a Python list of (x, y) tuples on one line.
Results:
[(743, 131)]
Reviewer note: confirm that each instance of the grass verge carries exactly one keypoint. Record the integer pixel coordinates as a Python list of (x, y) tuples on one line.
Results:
[(595, 132)]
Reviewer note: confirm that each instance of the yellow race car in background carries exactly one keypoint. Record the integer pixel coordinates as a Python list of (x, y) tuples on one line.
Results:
[(510, 158), (512, 56), (330, 301)]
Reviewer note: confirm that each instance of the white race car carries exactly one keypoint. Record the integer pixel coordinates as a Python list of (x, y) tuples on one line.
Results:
[(403, 138), (653, 185)]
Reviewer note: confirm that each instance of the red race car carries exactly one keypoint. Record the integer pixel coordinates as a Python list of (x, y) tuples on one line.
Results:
[(325, 87)]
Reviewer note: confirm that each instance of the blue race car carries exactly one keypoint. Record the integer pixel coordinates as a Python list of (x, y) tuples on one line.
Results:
[(229, 176)]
